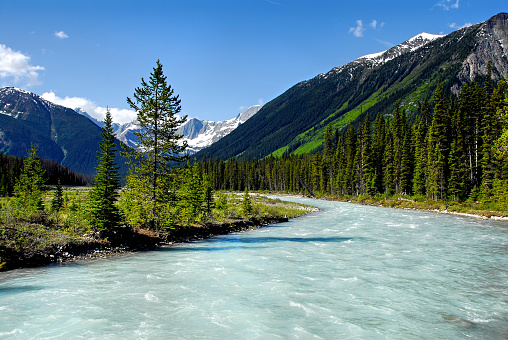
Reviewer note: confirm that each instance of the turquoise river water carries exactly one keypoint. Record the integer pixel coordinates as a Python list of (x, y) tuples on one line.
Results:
[(346, 272)]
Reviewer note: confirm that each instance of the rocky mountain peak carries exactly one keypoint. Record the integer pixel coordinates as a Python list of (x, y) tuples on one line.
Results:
[(491, 45), (410, 45), (202, 133)]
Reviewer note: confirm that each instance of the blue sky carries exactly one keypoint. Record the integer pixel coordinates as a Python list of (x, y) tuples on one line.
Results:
[(220, 56)]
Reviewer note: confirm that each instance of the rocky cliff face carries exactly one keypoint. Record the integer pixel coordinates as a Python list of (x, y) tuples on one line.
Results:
[(491, 45)]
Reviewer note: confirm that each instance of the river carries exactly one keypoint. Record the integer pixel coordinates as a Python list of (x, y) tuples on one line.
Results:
[(346, 272)]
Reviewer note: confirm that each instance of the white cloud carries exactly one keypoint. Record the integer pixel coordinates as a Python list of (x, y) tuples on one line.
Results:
[(16, 67), (448, 4), (261, 102), (120, 116), (358, 30), (61, 35), (455, 26), (386, 43)]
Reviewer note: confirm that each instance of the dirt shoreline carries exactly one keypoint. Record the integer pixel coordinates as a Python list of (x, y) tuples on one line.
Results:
[(127, 240)]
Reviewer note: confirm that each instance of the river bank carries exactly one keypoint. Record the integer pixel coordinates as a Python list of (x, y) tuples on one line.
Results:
[(29, 244), (127, 239), (440, 207)]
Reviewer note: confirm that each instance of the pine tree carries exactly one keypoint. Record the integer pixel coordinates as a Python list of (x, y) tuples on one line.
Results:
[(316, 172), (102, 210), (247, 204), (398, 127), (368, 170), (420, 128), (350, 150), (29, 187), (378, 150), (406, 168), (491, 131), (208, 196), (191, 194), (388, 164), (457, 161), (472, 103), (327, 162), (158, 144), (438, 146), (502, 114), (58, 201)]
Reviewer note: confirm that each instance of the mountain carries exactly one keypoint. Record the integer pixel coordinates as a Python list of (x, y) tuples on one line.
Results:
[(202, 133), (59, 133), (198, 133), (408, 73)]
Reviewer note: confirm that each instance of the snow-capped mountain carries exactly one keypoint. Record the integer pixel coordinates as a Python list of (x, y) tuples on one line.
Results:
[(59, 133), (411, 45), (197, 133), (374, 60), (373, 84), (202, 133)]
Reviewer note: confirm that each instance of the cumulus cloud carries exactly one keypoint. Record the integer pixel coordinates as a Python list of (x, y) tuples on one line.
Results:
[(15, 67), (448, 4), (358, 30), (61, 35), (120, 116)]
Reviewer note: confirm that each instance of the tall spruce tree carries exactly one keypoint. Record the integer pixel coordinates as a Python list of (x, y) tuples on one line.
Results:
[(368, 171), (388, 163), (457, 160), (350, 166), (58, 200), (490, 133), (102, 210), (501, 144), (438, 145), (29, 187), (378, 150), (158, 144), (328, 160), (398, 128)]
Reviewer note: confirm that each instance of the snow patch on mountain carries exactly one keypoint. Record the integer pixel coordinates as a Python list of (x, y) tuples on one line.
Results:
[(202, 133), (197, 133), (411, 45)]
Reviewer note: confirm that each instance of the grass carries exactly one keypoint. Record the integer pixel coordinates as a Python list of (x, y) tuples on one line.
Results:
[(30, 238)]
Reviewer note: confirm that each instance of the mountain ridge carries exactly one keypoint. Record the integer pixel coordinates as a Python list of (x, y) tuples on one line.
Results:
[(59, 133), (297, 118), (197, 133)]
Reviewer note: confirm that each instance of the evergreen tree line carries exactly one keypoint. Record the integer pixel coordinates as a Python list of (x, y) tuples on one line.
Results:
[(11, 168), (449, 152)]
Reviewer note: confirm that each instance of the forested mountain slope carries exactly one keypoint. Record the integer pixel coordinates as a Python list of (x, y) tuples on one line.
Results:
[(295, 121), (59, 133)]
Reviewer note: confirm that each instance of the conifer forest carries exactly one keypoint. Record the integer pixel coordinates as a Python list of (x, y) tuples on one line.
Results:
[(453, 150)]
